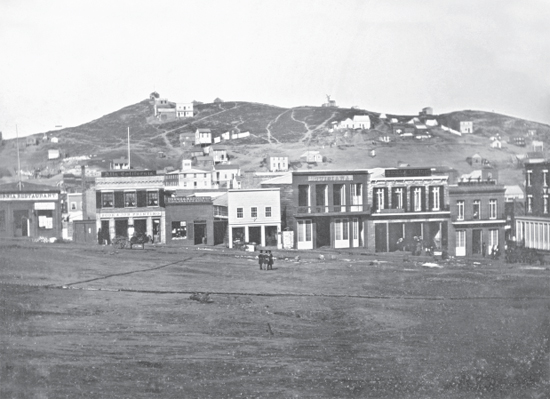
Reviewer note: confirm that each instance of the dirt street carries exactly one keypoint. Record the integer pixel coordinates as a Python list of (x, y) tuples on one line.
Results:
[(95, 322)]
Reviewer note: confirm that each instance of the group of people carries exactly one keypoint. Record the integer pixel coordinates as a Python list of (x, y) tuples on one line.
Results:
[(265, 259)]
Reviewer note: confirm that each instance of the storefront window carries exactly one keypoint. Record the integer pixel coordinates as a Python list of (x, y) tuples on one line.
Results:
[(2, 220), (107, 200), (45, 219), (179, 230), (152, 198), (130, 199)]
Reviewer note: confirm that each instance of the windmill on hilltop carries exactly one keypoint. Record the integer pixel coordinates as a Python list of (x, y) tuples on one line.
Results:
[(330, 103)]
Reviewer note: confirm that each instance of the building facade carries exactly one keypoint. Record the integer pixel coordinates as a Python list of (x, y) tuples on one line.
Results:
[(254, 215), (277, 163), (409, 206), (129, 201), (30, 210), (477, 217), (195, 220), (331, 208), (184, 110), (533, 227)]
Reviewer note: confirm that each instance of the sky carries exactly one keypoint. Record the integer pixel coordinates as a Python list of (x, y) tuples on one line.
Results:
[(67, 62)]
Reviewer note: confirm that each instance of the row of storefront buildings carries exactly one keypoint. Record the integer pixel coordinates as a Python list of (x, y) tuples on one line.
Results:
[(380, 210)]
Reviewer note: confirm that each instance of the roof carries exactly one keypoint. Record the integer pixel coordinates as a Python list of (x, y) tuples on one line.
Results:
[(204, 130), (476, 156), (277, 156), (284, 179), (514, 191), (26, 187), (361, 118), (189, 171), (226, 167), (221, 200), (305, 154)]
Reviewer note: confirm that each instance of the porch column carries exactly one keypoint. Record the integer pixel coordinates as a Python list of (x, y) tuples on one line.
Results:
[(149, 228), (131, 227), (262, 235), (387, 237), (162, 228), (112, 231), (246, 233), (230, 236)]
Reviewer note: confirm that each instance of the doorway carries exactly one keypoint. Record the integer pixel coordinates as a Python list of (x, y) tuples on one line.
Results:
[(271, 236), (255, 234), (477, 242), (21, 220), (380, 238), (199, 230), (140, 226), (121, 228), (105, 233)]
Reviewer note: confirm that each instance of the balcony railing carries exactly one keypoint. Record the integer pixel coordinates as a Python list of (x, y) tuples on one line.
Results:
[(334, 209)]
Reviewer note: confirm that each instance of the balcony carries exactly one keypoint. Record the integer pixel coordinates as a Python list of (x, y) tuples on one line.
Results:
[(333, 209)]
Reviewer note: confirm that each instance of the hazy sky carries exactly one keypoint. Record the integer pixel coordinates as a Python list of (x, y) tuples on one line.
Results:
[(69, 62)]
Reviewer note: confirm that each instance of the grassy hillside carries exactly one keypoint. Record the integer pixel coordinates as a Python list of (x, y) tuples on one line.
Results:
[(281, 130)]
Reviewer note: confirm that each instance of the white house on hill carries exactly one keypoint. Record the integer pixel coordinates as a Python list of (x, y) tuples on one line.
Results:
[(277, 163), (184, 110), (358, 122), (311, 157)]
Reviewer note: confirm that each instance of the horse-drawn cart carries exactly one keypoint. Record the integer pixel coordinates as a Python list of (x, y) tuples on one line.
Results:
[(137, 239)]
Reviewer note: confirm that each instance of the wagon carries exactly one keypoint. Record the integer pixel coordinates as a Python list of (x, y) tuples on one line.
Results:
[(137, 239)]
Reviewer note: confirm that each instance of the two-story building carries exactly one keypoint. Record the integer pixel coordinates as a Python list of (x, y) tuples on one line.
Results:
[(203, 137), (30, 210), (477, 218), (331, 208), (184, 110), (409, 205), (189, 178), (533, 227), (226, 176), (129, 201), (254, 215), (277, 163)]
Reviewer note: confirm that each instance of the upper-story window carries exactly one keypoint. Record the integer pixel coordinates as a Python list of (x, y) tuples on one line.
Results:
[(476, 214), (152, 198), (436, 199), (398, 199), (267, 211), (380, 198), (545, 204), (107, 200), (254, 212), (239, 213), (460, 210), (492, 209), (545, 178), (130, 199), (417, 199), (529, 204), (529, 178)]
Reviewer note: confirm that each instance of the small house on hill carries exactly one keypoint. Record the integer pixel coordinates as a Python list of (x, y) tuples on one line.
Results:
[(187, 139), (203, 137), (496, 144), (53, 154), (311, 157), (31, 141), (464, 126), (218, 100), (54, 140), (403, 129), (476, 160), (538, 146), (277, 163)]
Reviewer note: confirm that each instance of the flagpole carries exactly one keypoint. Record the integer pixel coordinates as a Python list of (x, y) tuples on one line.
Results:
[(19, 184), (128, 147)]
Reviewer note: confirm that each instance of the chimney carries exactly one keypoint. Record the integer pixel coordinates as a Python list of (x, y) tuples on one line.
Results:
[(84, 204)]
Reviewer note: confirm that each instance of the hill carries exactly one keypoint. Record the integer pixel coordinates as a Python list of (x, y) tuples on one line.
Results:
[(280, 130)]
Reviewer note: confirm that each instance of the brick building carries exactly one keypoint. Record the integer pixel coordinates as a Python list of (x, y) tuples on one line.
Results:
[(477, 218), (533, 227), (409, 205), (128, 201)]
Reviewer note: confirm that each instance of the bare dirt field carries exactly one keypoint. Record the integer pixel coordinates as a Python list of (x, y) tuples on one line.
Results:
[(95, 322)]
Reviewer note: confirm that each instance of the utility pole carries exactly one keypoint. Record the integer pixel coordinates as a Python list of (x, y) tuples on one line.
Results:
[(128, 147), (19, 183)]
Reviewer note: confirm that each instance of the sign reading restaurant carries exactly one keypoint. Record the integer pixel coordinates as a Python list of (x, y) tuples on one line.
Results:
[(330, 178), (128, 173), (28, 196)]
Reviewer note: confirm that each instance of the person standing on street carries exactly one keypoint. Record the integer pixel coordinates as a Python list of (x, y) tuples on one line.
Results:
[(261, 259), (269, 260)]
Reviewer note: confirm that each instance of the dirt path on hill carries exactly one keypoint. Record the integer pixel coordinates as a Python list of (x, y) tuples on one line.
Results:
[(268, 127)]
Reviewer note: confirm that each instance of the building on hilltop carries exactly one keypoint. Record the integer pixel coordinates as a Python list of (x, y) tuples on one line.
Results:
[(311, 156), (277, 163), (184, 110)]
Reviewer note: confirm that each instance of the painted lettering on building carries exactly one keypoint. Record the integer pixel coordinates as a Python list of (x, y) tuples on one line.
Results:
[(129, 173), (330, 178), (187, 200), (28, 196), (129, 214)]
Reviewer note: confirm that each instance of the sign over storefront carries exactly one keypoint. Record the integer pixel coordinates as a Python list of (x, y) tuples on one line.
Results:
[(189, 200), (128, 173), (330, 178), (28, 196)]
